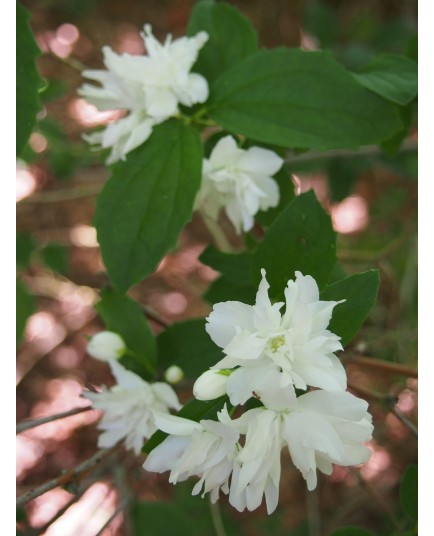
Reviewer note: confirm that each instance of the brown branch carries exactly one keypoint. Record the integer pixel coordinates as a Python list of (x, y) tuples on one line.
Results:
[(118, 510), (66, 477), (379, 364), (33, 423), (153, 315)]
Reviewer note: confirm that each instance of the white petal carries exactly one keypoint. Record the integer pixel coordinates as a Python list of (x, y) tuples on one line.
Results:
[(175, 425), (210, 385), (225, 317), (260, 161), (166, 394)]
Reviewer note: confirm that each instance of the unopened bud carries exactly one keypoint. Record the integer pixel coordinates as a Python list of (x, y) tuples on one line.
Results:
[(106, 345), (211, 384), (173, 374)]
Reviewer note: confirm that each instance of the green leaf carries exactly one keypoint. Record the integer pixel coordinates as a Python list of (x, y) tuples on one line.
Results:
[(231, 37), (160, 519), (56, 257), (411, 49), (235, 267), (189, 346), (360, 294), (224, 290), (392, 77), (408, 492), (351, 531), (123, 315), (286, 188), (293, 98), (147, 201), (25, 246), (195, 410), (28, 80), (24, 308), (301, 239), (343, 174)]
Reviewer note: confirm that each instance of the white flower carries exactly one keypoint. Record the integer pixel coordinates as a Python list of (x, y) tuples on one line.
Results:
[(318, 428), (239, 181), (206, 449), (129, 408), (106, 345), (148, 88), (260, 340)]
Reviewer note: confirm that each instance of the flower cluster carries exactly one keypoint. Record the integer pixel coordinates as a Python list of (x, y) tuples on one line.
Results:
[(238, 181), (129, 407), (268, 355), (147, 88)]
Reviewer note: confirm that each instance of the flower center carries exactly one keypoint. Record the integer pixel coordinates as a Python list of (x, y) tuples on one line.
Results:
[(277, 342)]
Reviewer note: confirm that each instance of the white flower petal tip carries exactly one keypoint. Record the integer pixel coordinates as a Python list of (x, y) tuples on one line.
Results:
[(210, 385), (106, 346), (238, 181), (130, 408), (174, 374), (147, 89)]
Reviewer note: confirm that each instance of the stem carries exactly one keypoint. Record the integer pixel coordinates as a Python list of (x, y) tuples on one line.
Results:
[(71, 62), (384, 366), (66, 477), (118, 510), (33, 423), (313, 515), (217, 233), (407, 146), (153, 315), (216, 517)]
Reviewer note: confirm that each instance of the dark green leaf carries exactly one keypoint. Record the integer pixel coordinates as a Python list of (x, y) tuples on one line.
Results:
[(301, 239), (56, 257), (292, 98), (25, 247), (408, 492), (235, 267), (189, 346), (286, 188), (392, 145), (28, 80), (321, 21), (343, 174), (160, 519), (147, 201), (224, 290), (231, 37), (392, 77), (195, 410), (25, 307), (123, 315), (412, 47), (360, 293), (351, 531)]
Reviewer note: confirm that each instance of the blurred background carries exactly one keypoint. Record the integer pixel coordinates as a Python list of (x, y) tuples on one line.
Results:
[(372, 197)]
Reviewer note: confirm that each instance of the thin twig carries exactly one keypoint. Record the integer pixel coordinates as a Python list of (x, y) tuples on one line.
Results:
[(68, 476), (217, 233), (412, 427), (379, 364), (373, 492), (313, 514), (153, 315), (407, 146), (64, 194), (217, 520), (70, 62), (365, 256), (32, 423), (118, 510)]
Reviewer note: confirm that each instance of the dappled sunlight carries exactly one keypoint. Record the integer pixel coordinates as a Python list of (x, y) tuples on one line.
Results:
[(44, 331), (378, 464), (88, 115), (174, 302), (26, 182), (60, 42), (28, 453), (38, 142), (129, 40), (350, 215), (83, 236)]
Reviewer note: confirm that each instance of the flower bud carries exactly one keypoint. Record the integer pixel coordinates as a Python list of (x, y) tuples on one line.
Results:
[(106, 345), (211, 384), (173, 374)]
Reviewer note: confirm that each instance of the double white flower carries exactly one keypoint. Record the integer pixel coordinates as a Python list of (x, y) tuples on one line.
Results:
[(148, 88), (259, 340), (130, 406), (238, 181)]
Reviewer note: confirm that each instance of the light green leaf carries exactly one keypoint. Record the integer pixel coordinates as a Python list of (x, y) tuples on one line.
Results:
[(195, 410), (392, 77), (147, 201), (293, 98), (300, 239), (28, 80), (123, 315), (189, 346), (24, 308), (231, 37), (236, 267), (408, 492), (360, 294)]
